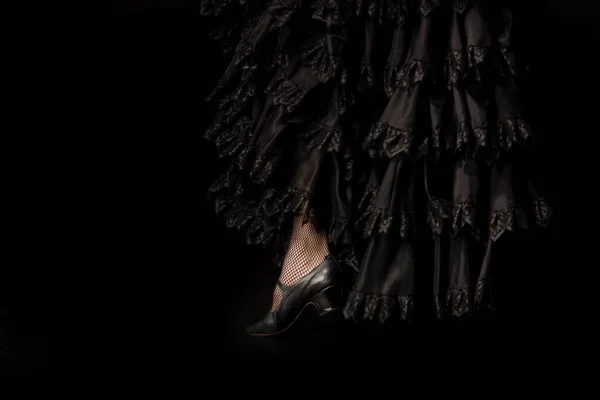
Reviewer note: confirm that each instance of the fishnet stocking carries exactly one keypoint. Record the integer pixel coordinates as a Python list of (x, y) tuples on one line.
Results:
[(307, 249)]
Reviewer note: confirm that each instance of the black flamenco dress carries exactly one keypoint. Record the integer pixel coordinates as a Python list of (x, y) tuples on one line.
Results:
[(398, 123)]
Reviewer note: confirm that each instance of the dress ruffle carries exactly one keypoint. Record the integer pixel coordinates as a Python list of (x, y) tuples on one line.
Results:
[(398, 122)]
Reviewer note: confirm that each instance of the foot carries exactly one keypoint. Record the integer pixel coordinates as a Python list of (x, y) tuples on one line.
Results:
[(321, 288)]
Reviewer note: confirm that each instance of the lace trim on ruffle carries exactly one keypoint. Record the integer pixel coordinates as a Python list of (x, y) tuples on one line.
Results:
[(242, 53), (383, 220), (383, 11), (395, 11), (441, 213), (326, 64), (236, 143), (241, 63), (228, 116), (383, 138), (471, 64), (460, 6), (510, 60), (332, 12), (476, 63), (331, 139), (285, 92), (460, 62), (377, 307), (233, 142), (262, 168), (462, 216), (386, 141), (507, 220), (325, 137), (413, 72), (276, 18), (262, 221), (257, 231), (368, 196), (362, 306), (458, 303), (323, 63), (389, 79)]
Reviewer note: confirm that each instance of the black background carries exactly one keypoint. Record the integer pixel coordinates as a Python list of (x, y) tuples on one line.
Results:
[(114, 247)]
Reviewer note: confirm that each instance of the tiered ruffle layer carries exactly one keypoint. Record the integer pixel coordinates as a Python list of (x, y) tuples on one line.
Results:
[(411, 106)]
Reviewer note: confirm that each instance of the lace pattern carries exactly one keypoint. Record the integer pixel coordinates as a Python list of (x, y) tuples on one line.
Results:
[(446, 216), (387, 141), (369, 306)]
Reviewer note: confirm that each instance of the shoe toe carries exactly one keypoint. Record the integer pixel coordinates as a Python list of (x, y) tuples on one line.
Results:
[(253, 328), (263, 326)]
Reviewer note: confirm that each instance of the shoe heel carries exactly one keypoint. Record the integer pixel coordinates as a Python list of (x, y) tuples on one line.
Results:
[(328, 300)]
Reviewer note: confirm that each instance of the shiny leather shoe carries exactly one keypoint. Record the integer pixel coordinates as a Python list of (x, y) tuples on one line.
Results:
[(321, 288)]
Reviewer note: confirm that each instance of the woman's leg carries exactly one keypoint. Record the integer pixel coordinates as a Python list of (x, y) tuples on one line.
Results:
[(308, 277), (307, 250)]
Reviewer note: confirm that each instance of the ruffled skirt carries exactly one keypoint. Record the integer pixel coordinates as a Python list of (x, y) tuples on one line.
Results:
[(399, 123)]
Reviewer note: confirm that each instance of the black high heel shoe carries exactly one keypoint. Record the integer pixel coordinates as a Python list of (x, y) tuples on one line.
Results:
[(321, 288)]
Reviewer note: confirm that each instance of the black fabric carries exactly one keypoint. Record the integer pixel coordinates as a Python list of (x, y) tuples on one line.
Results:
[(400, 123)]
